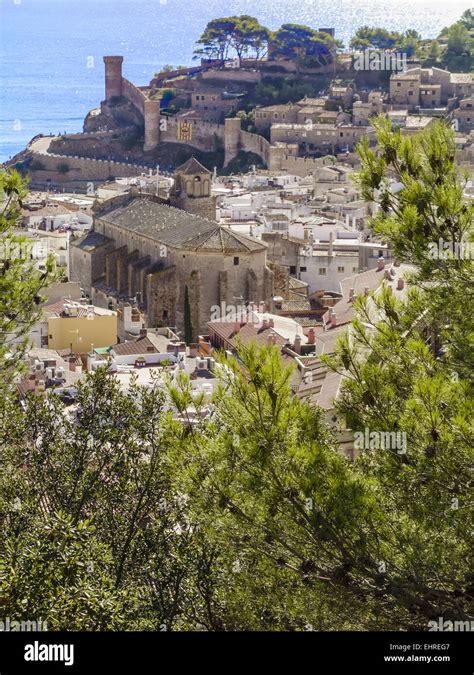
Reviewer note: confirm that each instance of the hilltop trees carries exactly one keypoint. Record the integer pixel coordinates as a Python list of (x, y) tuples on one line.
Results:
[(240, 34), (459, 52), (368, 37), (304, 44), (246, 37), (376, 38)]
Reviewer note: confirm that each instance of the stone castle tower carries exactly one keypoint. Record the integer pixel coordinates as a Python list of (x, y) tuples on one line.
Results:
[(113, 76), (117, 86), (192, 190)]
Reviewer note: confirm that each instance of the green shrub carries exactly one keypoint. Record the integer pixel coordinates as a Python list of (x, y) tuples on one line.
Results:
[(37, 165)]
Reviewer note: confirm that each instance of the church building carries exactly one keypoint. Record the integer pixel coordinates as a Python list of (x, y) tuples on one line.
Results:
[(145, 249)]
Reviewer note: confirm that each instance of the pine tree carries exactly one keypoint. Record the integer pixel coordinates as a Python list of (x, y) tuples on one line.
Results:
[(21, 282)]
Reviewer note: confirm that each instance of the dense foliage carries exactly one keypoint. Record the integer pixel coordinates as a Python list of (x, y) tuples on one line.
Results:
[(21, 282), (116, 515)]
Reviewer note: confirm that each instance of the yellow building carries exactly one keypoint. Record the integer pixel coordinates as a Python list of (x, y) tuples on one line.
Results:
[(80, 327)]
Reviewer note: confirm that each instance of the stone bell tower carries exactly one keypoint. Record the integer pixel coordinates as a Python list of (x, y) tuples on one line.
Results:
[(192, 190)]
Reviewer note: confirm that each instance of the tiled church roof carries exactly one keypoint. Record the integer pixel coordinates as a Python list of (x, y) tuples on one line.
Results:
[(179, 229), (192, 166)]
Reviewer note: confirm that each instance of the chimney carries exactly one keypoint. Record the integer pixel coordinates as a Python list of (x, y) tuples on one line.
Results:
[(271, 323), (278, 301), (331, 242), (236, 328), (311, 336), (297, 344), (333, 319), (400, 284), (366, 290), (271, 340), (143, 332), (380, 264), (72, 364), (352, 295)]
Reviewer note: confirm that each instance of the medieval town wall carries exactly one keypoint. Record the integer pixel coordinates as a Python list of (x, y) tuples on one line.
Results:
[(256, 144), (134, 95), (81, 169)]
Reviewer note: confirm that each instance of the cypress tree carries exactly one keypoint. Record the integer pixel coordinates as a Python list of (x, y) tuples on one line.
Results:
[(188, 326)]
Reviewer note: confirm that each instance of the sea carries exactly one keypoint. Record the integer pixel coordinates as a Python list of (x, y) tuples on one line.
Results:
[(51, 69)]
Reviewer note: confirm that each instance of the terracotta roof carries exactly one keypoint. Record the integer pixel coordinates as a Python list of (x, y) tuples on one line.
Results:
[(249, 332), (140, 346), (57, 309)]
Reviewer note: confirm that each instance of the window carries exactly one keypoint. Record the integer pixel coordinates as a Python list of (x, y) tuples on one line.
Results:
[(355, 270), (322, 271), (236, 260), (292, 269), (340, 269), (165, 314), (302, 269)]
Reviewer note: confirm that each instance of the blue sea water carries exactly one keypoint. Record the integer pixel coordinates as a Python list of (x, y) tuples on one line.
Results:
[(51, 70)]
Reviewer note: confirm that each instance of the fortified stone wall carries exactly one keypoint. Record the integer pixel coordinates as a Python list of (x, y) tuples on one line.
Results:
[(256, 144), (91, 135), (237, 140), (298, 166), (203, 133), (81, 168), (229, 75), (134, 95)]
